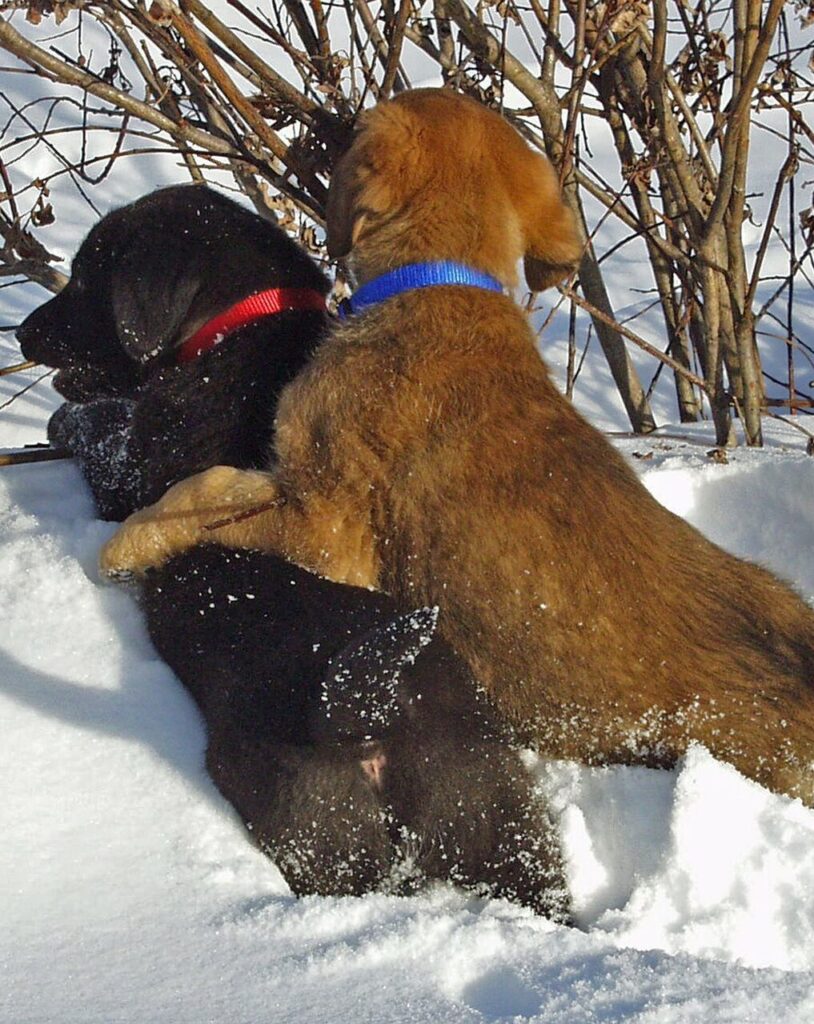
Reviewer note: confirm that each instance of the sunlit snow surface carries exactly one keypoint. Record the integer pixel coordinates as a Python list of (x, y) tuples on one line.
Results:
[(130, 893)]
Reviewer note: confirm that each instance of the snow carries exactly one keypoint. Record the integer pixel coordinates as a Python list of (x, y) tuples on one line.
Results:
[(701, 861), (131, 892)]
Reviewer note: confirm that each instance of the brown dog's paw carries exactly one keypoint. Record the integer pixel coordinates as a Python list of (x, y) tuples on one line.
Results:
[(140, 543), (178, 521)]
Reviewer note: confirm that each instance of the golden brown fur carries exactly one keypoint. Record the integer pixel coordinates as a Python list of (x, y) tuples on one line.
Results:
[(426, 452)]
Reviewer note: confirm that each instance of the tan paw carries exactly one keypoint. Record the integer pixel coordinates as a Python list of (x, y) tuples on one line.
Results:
[(178, 521), (140, 543)]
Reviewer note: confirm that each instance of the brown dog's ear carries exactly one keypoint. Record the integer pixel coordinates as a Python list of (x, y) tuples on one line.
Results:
[(151, 300), (553, 247), (343, 219)]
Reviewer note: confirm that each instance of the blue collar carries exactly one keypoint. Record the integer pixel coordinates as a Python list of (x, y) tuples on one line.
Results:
[(415, 275)]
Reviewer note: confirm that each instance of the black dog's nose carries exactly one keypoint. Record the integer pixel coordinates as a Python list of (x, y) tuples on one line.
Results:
[(30, 337), (38, 341)]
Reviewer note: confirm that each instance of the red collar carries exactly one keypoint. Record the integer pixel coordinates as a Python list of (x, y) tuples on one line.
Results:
[(247, 311)]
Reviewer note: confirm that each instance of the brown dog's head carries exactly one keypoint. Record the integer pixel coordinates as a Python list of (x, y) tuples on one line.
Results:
[(435, 175)]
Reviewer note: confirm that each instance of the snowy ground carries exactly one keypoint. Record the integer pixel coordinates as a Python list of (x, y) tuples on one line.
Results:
[(131, 894)]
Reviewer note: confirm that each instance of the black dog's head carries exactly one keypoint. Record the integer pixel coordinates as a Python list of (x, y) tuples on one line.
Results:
[(140, 413), (146, 277)]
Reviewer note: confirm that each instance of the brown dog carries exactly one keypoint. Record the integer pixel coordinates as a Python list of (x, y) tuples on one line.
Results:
[(425, 451)]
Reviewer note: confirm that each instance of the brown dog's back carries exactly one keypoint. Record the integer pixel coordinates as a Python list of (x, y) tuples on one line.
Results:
[(603, 625)]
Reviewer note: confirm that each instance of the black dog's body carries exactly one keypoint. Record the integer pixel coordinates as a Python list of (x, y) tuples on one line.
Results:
[(429, 786), (433, 788)]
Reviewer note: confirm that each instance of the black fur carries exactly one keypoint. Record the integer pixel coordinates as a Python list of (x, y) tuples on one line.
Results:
[(289, 670)]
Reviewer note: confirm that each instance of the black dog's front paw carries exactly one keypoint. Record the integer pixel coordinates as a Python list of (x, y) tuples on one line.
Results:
[(99, 436), (77, 426)]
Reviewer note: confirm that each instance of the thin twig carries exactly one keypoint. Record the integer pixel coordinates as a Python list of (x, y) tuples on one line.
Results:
[(34, 455), (797, 426), (395, 47), (787, 171), (791, 403), (17, 368), (64, 73), (246, 513), (28, 387), (597, 314)]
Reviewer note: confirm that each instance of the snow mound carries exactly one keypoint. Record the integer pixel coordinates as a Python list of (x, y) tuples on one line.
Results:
[(699, 861), (758, 505)]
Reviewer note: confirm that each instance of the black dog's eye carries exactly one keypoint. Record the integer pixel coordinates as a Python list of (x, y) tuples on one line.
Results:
[(80, 269)]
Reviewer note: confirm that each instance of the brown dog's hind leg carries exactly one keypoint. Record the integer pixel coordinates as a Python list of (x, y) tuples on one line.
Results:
[(339, 547)]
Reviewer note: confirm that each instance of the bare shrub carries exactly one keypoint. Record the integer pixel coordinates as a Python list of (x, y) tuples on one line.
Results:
[(263, 97)]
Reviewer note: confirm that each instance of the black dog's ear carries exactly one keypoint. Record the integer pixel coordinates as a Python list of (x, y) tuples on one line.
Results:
[(151, 300), (359, 697)]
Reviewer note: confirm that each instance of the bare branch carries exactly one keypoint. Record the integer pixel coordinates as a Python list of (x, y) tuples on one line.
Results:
[(33, 455), (17, 368), (635, 338)]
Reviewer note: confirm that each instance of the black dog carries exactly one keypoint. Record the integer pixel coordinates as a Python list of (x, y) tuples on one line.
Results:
[(354, 745)]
